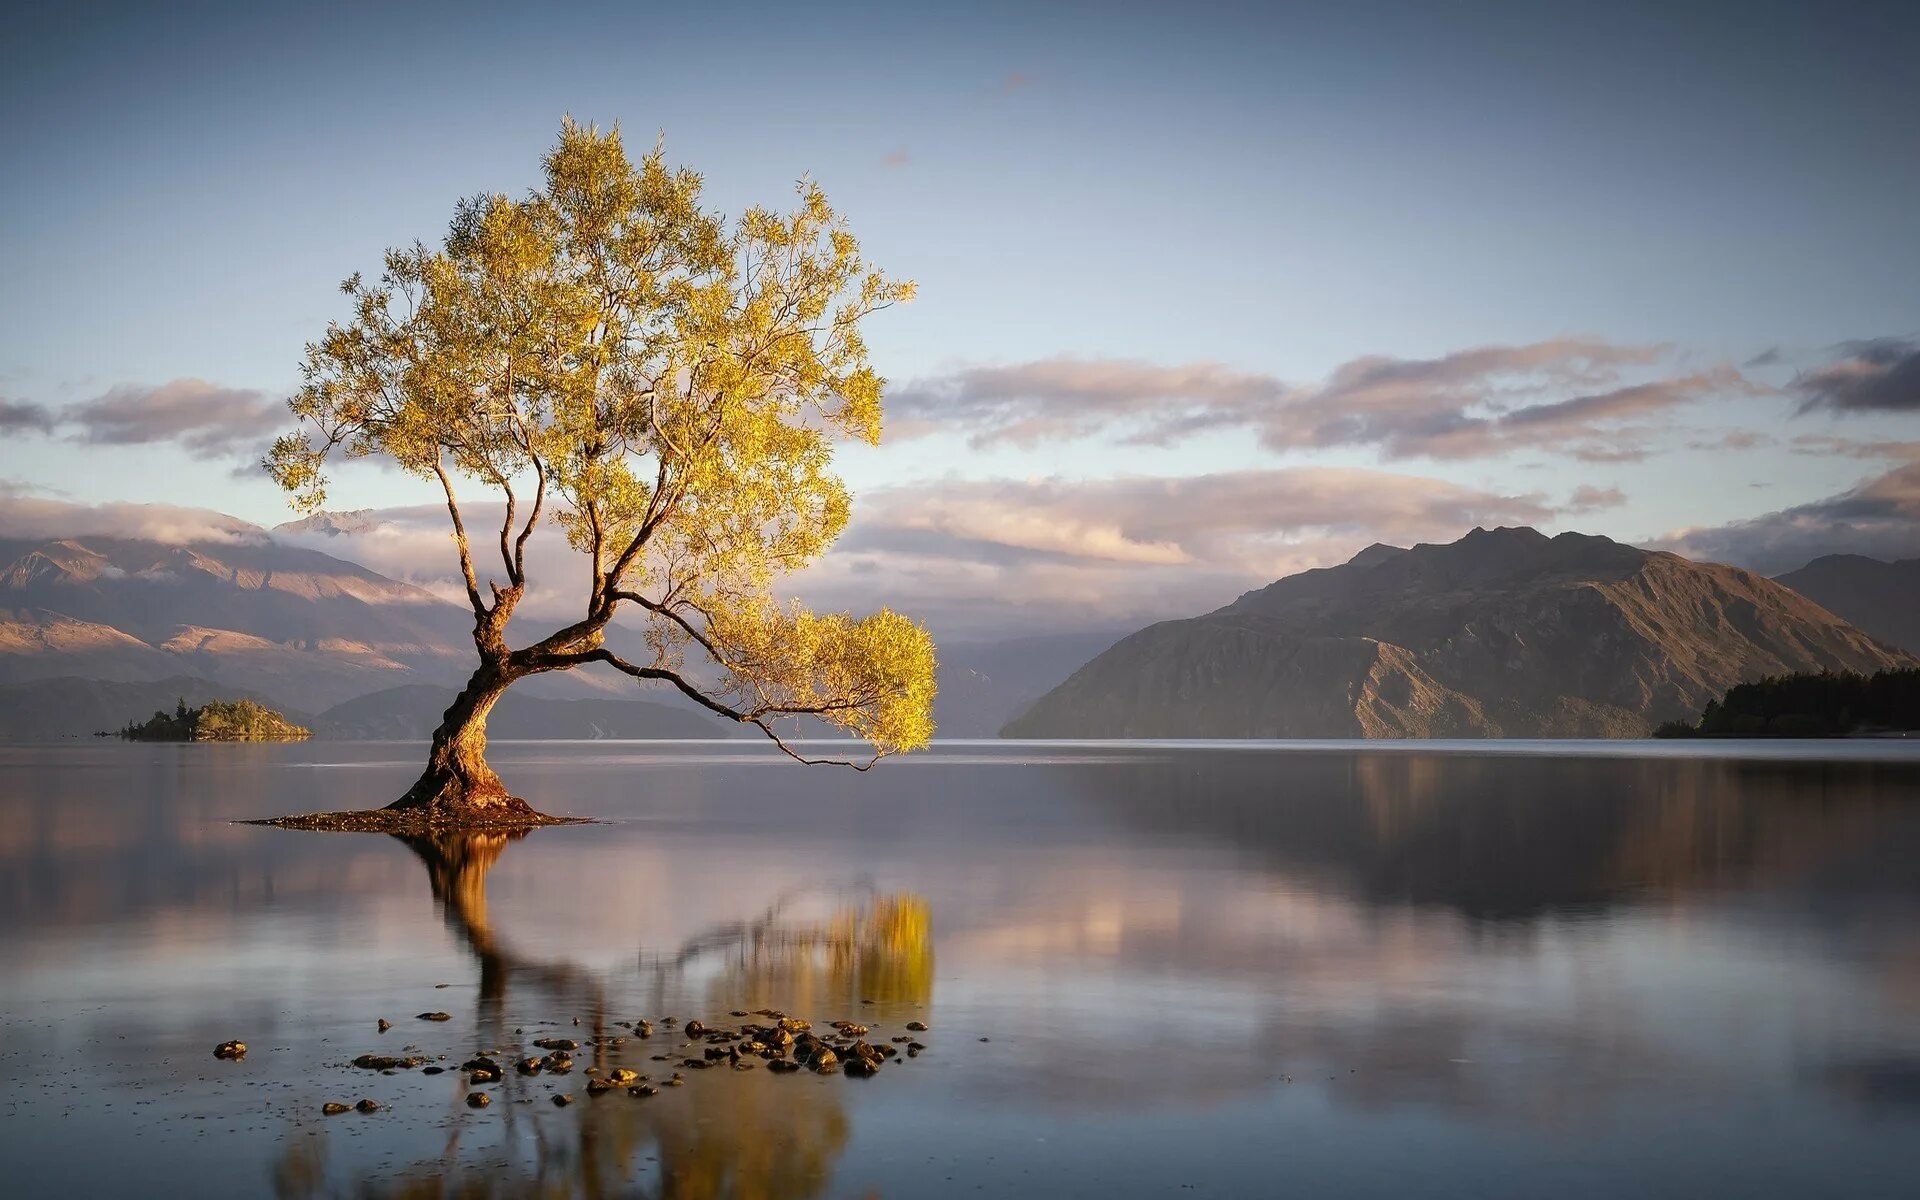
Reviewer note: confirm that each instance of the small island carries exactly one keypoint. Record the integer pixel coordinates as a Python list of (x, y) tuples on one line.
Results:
[(217, 721), (1824, 705)]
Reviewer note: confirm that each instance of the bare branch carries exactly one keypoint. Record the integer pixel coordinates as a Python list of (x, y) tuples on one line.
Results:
[(460, 537), (756, 717)]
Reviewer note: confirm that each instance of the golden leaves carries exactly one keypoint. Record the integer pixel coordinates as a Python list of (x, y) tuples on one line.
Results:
[(674, 382)]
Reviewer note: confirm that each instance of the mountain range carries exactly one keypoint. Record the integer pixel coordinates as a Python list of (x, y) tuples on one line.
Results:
[(251, 614), (1504, 633), (1881, 598)]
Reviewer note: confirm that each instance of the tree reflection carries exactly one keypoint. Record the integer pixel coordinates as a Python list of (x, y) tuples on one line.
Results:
[(724, 1133)]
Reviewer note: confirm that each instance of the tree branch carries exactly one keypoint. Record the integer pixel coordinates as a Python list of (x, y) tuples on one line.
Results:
[(460, 537), (757, 717)]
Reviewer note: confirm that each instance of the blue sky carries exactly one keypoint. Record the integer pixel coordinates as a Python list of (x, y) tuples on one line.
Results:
[(1271, 191)]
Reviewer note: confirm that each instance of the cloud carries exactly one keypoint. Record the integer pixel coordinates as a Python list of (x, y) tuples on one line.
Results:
[(206, 420), (999, 558), (29, 512), (1586, 499), (987, 557), (1823, 445), (1579, 397), (19, 417), (1880, 518), (1877, 375), (1068, 397)]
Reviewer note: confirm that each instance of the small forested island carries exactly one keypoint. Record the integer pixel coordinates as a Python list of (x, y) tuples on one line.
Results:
[(217, 721), (1828, 704)]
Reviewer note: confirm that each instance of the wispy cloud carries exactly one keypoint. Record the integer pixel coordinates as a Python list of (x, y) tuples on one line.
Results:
[(1878, 375), (206, 420), (1587, 499), (19, 417), (975, 557), (1879, 518), (1570, 395), (30, 512)]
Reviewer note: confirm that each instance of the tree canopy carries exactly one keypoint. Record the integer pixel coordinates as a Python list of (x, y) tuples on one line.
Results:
[(665, 384)]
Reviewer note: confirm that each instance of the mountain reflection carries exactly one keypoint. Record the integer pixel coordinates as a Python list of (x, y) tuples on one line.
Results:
[(1507, 836)]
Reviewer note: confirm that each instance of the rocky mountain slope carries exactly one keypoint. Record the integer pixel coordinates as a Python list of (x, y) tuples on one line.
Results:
[(251, 614), (1880, 598), (1504, 633)]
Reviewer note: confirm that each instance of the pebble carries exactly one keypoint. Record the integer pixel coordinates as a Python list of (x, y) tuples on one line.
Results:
[(384, 1024), (561, 1100), (917, 1026), (232, 1051), (367, 1106), (334, 1108), (436, 1016), (478, 1099)]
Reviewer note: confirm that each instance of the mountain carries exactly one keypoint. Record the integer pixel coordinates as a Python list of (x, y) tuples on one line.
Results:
[(249, 613), (983, 685), (335, 524), (1504, 633), (410, 713), (1882, 598)]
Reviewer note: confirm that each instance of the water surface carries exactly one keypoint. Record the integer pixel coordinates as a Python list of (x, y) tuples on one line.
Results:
[(1218, 970)]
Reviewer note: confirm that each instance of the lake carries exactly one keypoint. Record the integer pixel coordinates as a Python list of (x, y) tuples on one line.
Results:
[(1231, 970)]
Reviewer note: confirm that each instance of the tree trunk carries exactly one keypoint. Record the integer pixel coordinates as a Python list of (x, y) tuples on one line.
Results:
[(458, 787)]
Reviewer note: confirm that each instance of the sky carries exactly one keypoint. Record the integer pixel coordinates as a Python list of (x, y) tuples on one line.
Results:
[(1207, 293)]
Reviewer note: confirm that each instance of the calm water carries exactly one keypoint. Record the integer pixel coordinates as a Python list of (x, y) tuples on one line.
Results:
[(1217, 971)]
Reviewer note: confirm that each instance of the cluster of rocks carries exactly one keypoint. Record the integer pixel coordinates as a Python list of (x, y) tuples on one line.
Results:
[(784, 1044)]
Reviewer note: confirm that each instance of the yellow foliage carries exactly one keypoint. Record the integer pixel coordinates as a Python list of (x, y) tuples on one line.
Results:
[(669, 386)]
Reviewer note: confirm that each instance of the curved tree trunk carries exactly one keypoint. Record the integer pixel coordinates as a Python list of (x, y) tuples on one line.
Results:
[(458, 787)]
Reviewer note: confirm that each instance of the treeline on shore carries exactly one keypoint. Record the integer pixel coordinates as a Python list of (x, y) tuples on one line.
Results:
[(1810, 706), (216, 721)]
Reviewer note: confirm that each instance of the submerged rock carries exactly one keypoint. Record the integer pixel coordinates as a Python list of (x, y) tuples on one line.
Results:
[(436, 1016), (384, 1024), (556, 1043), (561, 1100), (917, 1026), (231, 1051), (482, 1070), (388, 1062), (367, 1106), (334, 1108), (478, 1099)]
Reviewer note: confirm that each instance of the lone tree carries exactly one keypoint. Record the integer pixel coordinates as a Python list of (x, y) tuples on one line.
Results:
[(667, 386)]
